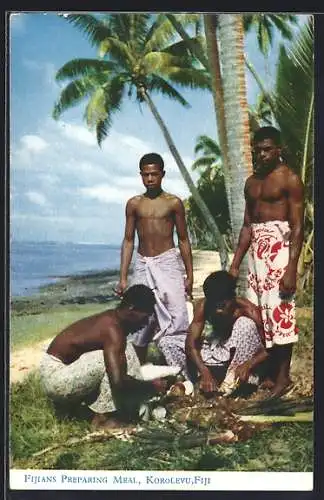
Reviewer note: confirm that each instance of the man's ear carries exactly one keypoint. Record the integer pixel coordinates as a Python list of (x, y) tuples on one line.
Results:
[(163, 173)]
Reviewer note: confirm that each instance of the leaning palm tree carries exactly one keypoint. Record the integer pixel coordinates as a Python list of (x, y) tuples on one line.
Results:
[(137, 57)]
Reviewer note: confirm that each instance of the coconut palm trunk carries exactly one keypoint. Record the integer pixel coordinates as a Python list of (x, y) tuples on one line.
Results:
[(231, 39), (185, 174), (210, 22)]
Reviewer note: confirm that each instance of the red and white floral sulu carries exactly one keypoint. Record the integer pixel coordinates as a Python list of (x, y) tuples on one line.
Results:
[(267, 260)]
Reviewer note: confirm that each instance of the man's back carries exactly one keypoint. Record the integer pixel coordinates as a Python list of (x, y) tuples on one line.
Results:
[(88, 334)]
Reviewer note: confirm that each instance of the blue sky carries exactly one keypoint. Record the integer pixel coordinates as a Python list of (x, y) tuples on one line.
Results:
[(63, 187)]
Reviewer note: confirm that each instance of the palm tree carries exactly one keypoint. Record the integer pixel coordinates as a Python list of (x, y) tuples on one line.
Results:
[(211, 154), (211, 186), (135, 58), (265, 25), (231, 41), (294, 95)]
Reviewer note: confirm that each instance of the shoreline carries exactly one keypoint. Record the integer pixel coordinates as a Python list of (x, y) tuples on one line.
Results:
[(38, 317), (97, 287)]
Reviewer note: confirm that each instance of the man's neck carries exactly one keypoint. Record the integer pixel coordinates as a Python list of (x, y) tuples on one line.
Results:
[(263, 171), (153, 193)]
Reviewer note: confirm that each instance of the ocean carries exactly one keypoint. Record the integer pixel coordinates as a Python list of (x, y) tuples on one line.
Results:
[(34, 264)]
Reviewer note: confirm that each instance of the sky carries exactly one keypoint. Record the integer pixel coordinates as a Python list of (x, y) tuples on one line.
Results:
[(63, 187)]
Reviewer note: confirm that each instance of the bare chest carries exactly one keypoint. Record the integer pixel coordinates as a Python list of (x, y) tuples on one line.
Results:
[(271, 189), (154, 209)]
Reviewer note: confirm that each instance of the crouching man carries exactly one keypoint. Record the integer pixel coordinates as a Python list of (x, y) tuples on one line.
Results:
[(234, 348), (92, 361)]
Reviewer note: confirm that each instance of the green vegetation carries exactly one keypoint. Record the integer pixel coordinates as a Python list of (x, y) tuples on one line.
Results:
[(285, 447), (30, 329), (36, 425)]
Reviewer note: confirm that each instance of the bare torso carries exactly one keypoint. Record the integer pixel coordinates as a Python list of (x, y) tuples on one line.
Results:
[(267, 197), (155, 223), (88, 334)]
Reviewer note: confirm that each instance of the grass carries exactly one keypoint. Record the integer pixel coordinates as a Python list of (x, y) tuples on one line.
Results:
[(27, 330), (35, 425), (287, 447)]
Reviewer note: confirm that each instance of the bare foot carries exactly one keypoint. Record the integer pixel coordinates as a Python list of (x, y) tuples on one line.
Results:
[(282, 388)]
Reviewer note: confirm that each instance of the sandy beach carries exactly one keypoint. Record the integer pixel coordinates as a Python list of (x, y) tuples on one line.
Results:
[(25, 360)]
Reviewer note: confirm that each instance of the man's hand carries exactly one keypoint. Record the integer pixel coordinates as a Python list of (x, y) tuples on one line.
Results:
[(207, 383), (160, 384), (234, 271), (121, 287), (243, 371), (188, 287), (287, 285)]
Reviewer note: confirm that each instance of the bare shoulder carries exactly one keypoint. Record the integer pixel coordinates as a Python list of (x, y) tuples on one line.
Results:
[(245, 304), (290, 178), (199, 309), (173, 200), (249, 181), (135, 200), (133, 203)]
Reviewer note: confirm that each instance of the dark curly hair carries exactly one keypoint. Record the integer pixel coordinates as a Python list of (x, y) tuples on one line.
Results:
[(140, 297), (151, 158), (219, 286)]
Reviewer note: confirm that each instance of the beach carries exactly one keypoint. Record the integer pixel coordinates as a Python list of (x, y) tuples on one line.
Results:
[(76, 297)]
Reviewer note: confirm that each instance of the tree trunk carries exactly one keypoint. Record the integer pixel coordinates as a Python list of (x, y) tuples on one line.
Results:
[(210, 22), (231, 38), (185, 174)]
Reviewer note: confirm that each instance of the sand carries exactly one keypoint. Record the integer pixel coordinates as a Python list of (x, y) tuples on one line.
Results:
[(26, 360)]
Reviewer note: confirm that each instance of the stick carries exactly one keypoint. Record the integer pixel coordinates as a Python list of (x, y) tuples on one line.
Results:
[(92, 436)]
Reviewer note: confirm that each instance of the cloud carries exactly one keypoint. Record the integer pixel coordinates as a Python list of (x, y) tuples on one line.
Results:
[(77, 133), (37, 198), (58, 173), (34, 143), (107, 193)]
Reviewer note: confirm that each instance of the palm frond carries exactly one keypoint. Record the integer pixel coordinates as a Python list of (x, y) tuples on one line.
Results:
[(160, 35), (207, 145), (294, 91), (281, 24), (203, 162), (105, 101), (73, 94), (118, 51), (158, 84), (189, 77), (102, 129), (84, 67), (96, 109), (161, 61), (183, 50), (93, 28)]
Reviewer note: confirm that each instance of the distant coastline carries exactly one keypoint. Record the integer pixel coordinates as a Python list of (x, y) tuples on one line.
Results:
[(35, 266)]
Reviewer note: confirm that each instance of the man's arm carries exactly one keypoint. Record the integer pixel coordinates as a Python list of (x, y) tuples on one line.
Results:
[(184, 244), (126, 390), (193, 346), (295, 196), (127, 245), (243, 241), (253, 312)]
